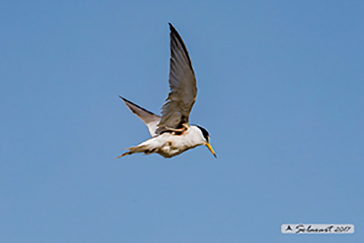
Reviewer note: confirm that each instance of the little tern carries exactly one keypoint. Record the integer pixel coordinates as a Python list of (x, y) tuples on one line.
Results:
[(172, 133)]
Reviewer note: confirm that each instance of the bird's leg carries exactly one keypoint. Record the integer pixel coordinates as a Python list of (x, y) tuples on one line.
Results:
[(175, 129), (178, 130)]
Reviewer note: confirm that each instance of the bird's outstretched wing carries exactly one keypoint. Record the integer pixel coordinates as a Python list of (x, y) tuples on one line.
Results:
[(150, 119), (182, 83)]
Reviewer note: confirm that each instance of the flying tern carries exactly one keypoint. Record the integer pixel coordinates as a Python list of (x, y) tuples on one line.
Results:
[(172, 133)]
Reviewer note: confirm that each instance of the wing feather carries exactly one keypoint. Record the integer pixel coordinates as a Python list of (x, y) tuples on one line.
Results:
[(182, 83), (149, 118)]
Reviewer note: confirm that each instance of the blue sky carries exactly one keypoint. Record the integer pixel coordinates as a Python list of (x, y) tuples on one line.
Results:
[(280, 91)]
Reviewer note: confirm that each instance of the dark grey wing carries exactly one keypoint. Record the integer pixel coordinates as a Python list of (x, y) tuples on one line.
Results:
[(182, 83), (150, 119)]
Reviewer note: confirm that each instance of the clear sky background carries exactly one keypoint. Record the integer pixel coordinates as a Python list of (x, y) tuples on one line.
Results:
[(281, 87)]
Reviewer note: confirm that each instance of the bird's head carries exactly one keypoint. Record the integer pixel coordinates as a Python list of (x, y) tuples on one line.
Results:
[(206, 137)]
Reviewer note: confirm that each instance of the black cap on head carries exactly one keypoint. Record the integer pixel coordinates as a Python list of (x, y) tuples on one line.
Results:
[(205, 133)]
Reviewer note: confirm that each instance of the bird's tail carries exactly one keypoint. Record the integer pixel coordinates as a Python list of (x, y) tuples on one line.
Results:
[(137, 149), (124, 154)]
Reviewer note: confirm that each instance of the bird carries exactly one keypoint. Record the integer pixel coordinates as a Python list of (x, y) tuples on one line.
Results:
[(171, 132)]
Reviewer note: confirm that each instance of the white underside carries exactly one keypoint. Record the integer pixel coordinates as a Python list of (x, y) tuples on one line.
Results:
[(169, 145)]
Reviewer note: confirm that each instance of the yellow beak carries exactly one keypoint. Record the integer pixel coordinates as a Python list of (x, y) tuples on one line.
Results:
[(208, 145)]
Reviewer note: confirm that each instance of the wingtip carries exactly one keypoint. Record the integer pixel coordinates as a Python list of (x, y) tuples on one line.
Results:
[(121, 97), (171, 27)]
